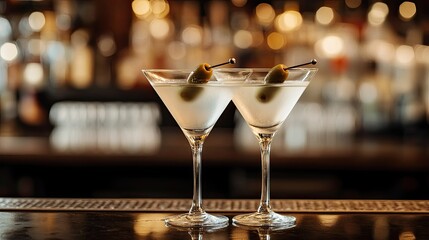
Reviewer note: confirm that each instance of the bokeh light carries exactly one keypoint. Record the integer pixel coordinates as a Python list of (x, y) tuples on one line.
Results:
[(141, 8), (33, 74), (160, 8), (265, 13), (239, 3), (159, 28), (405, 55), (353, 3), (330, 46), (192, 35), (243, 39), (276, 41), (9, 51), (288, 21), (407, 10), (378, 13), (325, 15), (36, 20)]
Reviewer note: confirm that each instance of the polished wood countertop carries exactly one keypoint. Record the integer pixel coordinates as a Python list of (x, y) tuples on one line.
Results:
[(50, 218)]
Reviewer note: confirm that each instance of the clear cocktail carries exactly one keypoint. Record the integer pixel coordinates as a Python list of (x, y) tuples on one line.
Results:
[(265, 106), (196, 107)]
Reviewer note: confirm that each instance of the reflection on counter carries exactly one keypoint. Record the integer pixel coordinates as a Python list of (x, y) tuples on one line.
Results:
[(105, 127), (129, 225)]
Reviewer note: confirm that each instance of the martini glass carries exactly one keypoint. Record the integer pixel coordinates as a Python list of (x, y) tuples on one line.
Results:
[(265, 106), (196, 107)]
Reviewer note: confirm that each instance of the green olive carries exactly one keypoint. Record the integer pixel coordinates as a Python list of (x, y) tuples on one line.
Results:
[(277, 74), (190, 93), (266, 94), (201, 75)]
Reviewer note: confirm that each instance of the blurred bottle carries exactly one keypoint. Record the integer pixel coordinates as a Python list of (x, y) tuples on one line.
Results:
[(82, 60), (374, 97)]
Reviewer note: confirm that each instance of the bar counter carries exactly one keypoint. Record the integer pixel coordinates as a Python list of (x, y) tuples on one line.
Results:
[(52, 218)]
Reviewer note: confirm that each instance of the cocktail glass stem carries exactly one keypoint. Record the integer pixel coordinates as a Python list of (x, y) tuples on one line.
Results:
[(265, 146), (265, 216), (197, 217), (197, 148)]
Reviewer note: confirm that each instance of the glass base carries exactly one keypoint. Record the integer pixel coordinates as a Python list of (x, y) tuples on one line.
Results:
[(270, 219), (191, 220)]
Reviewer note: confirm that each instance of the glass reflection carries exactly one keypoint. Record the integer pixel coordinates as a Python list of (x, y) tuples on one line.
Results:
[(150, 225), (199, 233), (264, 233)]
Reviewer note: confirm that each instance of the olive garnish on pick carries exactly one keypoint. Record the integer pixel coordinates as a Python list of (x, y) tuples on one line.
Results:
[(201, 74), (277, 74), (204, 72)]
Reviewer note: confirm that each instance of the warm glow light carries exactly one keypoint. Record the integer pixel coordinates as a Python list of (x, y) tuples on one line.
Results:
[(153, 229), (378, 13), (407, 235), (353, 3), (176, 50), (36, 20), (330, 46), (141, 7), (265, 13), (239, 3), (422, 54), (275, 41), (192, 35), (328, 220), (9, 51), (288, 21), (407, 10), (33, 74), (243, 39), (405, 54), (159, 28), (325, 15), (160, 8)]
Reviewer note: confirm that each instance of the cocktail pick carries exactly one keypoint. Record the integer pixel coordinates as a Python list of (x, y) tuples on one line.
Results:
[(230, 61), (313, 62)]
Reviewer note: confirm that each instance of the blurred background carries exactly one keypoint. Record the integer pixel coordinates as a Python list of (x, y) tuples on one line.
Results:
[(78, 119)]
